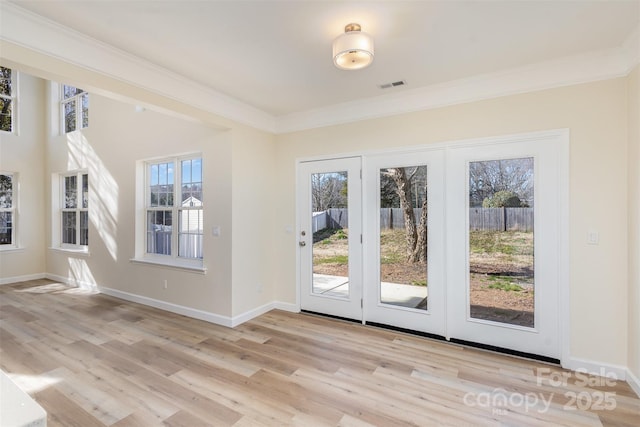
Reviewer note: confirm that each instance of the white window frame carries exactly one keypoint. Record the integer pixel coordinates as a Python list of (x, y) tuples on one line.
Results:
[(173, 259), (13, 210), (13, 97), (79, 113), (79, 210)]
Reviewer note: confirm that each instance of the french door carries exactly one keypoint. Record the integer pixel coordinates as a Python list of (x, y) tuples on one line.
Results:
[(330, 237), (504, 213), (404, 273), (461, 241)]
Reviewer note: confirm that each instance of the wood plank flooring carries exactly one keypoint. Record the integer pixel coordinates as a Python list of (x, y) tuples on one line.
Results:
[(94, 360)]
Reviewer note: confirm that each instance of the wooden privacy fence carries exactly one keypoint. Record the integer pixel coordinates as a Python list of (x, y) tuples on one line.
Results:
[(501, 219), (480, 219)]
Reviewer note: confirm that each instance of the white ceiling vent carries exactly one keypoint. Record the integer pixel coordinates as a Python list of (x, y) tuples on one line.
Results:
[(393, 84)]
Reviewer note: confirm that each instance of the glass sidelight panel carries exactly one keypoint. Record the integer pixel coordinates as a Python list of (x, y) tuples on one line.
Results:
[(403, 237), (501, 241), (329, 223)]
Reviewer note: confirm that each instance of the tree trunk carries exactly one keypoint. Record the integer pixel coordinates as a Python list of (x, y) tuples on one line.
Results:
[(420, 249), (404, 193)]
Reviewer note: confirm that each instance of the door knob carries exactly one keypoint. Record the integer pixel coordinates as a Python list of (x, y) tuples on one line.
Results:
[(302, 243)]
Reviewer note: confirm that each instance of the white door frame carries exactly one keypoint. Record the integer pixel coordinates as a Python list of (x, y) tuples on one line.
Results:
[(345, 306), (544, 338)]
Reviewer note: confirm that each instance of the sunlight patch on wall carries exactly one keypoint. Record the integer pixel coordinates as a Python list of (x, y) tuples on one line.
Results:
[(103, 190), (80, 275)]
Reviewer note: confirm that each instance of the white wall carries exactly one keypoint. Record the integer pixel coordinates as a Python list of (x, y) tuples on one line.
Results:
[(596, 114), (23, 153), (118, 137)]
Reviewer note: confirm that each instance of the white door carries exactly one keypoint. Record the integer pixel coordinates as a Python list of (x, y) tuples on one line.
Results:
[(503, 272), (404, 272), (330, 237)]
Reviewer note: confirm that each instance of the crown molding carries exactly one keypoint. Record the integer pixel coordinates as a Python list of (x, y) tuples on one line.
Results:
[(32, 31), (49, 38)]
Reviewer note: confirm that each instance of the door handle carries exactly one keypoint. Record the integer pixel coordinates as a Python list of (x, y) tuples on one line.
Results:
[(302, 243)]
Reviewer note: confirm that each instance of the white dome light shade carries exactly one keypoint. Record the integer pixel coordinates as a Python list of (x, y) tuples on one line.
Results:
[(353, 49)]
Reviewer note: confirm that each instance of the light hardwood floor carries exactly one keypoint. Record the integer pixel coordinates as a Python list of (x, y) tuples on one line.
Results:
[(94, 360)]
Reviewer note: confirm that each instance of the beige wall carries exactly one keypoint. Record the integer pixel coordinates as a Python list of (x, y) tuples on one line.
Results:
[(634, 222), (109, 148), (239, 171), (24, 153), (253, 217), (595, 113)]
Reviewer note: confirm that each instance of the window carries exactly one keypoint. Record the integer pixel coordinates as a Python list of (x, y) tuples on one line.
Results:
[(74, 210), (7, 99), (174, 197), (7, 210), (74, 108)]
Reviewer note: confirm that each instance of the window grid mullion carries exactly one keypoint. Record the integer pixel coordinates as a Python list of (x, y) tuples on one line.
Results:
[(177, 201), (76, 100)]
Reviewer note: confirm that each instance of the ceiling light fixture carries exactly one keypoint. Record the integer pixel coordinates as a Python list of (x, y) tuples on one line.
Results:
[(353, 49)]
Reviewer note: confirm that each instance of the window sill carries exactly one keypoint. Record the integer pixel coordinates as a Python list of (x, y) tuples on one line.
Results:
[(170, 265), (81, 252), (11, 249)]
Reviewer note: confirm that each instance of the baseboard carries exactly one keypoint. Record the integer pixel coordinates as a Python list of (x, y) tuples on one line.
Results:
[(633, 381), (173, 308), (230, 322), (25, 278), (248, 315), (217, 319), (245, 317), (596, 368), (285, 306)]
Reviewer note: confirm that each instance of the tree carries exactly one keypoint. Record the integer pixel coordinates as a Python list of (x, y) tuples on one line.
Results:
[(486, 178), (405, 179), (6, 187), (328, 190), (5, 99), (502, 199), (388, 191)]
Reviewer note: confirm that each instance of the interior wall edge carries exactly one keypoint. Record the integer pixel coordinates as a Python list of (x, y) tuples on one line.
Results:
[(633, 381), (617, 372)]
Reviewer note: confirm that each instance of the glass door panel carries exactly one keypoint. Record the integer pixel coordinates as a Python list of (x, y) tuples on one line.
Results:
[(403, 236), (501, 241), (330, 227)]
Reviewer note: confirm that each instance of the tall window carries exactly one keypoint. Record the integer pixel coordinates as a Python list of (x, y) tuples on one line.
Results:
[(74, 108), (7, 210), (7, 99), (75, 210), (174, 197)]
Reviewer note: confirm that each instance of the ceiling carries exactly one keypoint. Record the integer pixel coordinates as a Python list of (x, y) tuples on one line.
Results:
[(276, 55)]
